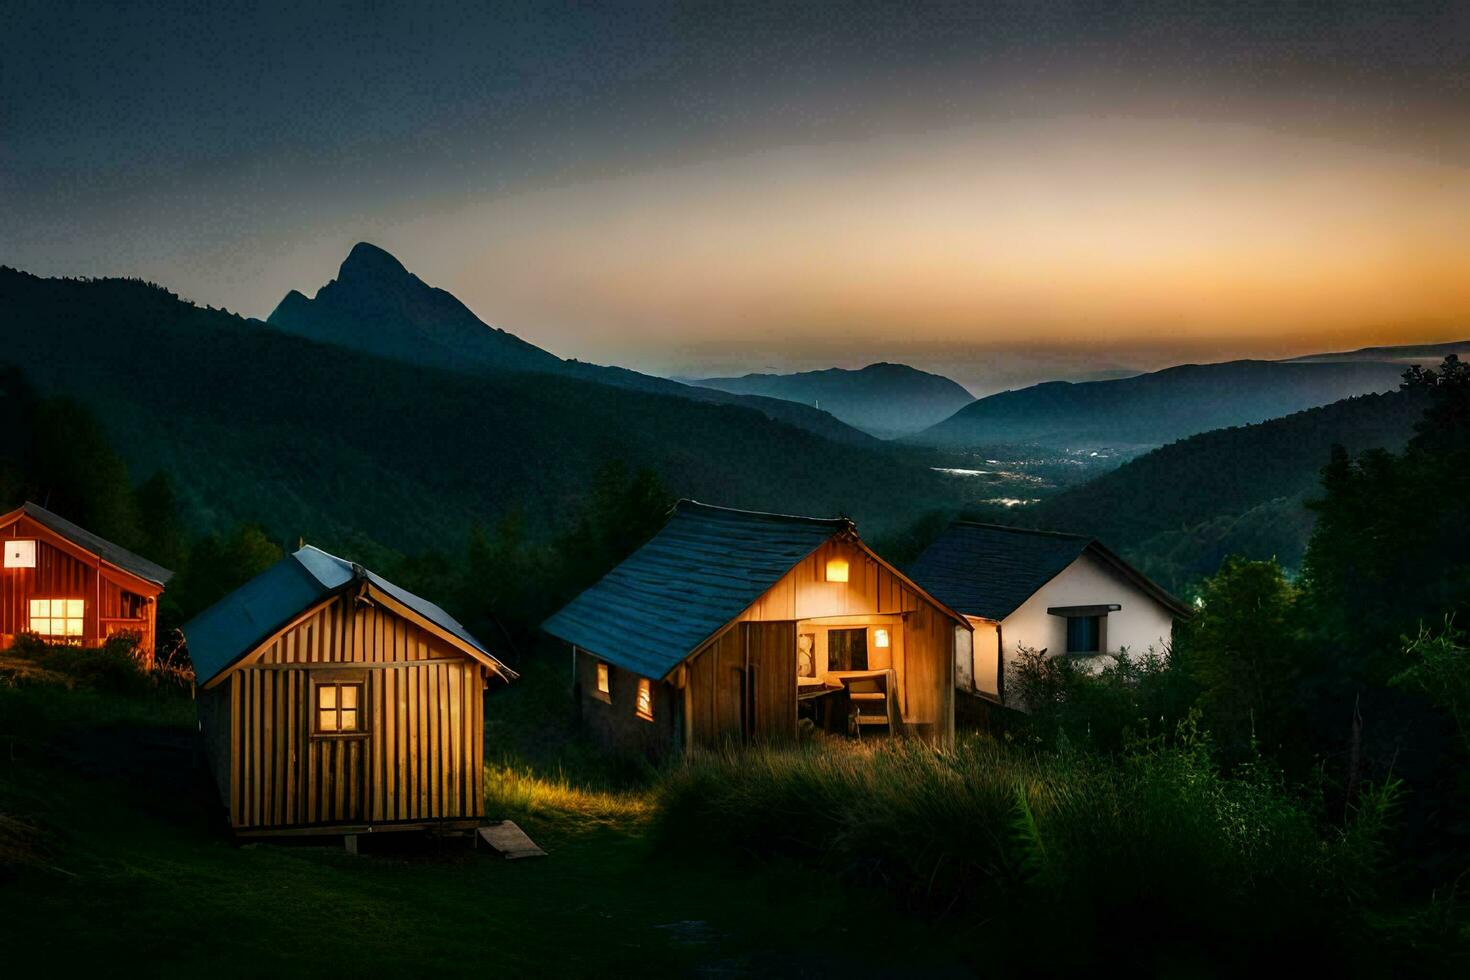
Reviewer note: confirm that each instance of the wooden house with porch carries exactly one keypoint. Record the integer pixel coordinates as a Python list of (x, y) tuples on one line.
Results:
[(732, 625), (67, 585), (331, 701)]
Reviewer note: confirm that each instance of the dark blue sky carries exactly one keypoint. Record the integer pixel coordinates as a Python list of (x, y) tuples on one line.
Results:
[(235, 150)]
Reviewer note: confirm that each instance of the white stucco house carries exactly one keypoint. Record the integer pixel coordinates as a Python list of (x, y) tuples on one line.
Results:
[(1063, 594)]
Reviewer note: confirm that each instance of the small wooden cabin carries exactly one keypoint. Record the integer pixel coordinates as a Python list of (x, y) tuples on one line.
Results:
[(730, 624), (333, 702), (67, 585)]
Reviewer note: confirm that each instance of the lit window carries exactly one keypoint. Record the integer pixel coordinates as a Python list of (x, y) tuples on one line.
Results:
[(337, 709), (20, 554), (645, 698), (837, 569), (880, 639), (58, 617), (603, 692)]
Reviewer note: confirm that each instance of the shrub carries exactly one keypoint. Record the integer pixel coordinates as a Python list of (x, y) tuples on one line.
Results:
[(1439, 669), (115, 667), (1154, 835), (1073, 701)]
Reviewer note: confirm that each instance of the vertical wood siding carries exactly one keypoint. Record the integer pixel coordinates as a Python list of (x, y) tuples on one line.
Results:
[(805, 593), (59, 574), (716, 677), (922, 654), (421, 757)]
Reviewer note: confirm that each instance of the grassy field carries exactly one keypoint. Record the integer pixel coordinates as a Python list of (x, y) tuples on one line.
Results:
[(111, 857), (885, 859)]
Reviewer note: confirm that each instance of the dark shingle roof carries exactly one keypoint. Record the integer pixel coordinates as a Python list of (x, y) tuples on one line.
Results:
[(237, 624), (704, 568), (989, 570), (101, 547)]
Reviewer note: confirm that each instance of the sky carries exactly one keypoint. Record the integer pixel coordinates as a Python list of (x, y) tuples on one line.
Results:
[(1001, 191)]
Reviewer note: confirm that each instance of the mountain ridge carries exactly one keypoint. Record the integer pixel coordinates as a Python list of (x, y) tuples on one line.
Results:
[(346, 447), (884, 399), (1158, 407), (377, 305)]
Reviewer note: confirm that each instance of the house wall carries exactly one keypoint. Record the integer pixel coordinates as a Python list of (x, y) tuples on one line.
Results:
[(984, 660), (712, 686), (614, 722), (420, 758), (1142, 622), (213, 705), (805, 593), (112, 599), (923, 655)]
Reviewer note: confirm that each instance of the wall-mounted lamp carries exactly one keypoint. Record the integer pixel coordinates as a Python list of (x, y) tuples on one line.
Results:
[(880, 639), (837, 569)]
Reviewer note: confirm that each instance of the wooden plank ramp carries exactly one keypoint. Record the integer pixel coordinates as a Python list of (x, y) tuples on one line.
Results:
[(509, 840)]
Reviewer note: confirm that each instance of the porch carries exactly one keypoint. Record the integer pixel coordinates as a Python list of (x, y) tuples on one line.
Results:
[(852, 675)]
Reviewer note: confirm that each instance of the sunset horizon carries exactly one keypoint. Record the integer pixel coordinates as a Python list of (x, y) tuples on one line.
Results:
[(751, 489), (1074, 182)]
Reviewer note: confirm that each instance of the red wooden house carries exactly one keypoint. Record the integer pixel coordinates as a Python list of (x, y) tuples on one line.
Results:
[(67, 585)]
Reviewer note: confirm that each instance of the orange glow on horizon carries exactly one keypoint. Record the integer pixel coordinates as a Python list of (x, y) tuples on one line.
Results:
[(1080, 231)]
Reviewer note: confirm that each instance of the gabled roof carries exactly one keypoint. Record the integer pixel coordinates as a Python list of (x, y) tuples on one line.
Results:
[(989, 570), (704, 568), (111, 553), (242, 620)]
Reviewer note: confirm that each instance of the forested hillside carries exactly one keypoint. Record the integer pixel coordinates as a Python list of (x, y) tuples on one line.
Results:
[(359, 451), (1179, 510), (1158, 408)]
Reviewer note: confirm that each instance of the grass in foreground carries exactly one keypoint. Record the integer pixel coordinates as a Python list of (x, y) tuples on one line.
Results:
[(835, 859), (111, 858), (1059, 861)]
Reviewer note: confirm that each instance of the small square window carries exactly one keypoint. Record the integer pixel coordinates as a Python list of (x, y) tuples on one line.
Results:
[(337, 711), (645, 699), (604, 682)]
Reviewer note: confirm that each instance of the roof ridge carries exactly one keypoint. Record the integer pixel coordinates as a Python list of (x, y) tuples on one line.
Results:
[(688, 502), (144, 568), (320, 551), (1039, 532)]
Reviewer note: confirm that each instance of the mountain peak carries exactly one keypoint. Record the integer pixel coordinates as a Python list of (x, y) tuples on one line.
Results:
[(368, 261)]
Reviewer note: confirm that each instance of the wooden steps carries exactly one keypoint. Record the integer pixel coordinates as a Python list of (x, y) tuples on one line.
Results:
[(509, 841)]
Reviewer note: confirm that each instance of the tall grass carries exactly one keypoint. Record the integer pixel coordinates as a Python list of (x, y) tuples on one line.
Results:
[(1155, 838), (518, 790)]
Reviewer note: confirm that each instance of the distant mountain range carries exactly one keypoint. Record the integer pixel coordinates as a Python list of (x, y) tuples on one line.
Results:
[(884, 400), (1426, 354), (1159, 407), (364, 451), (377, 306), (1179, 510)]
